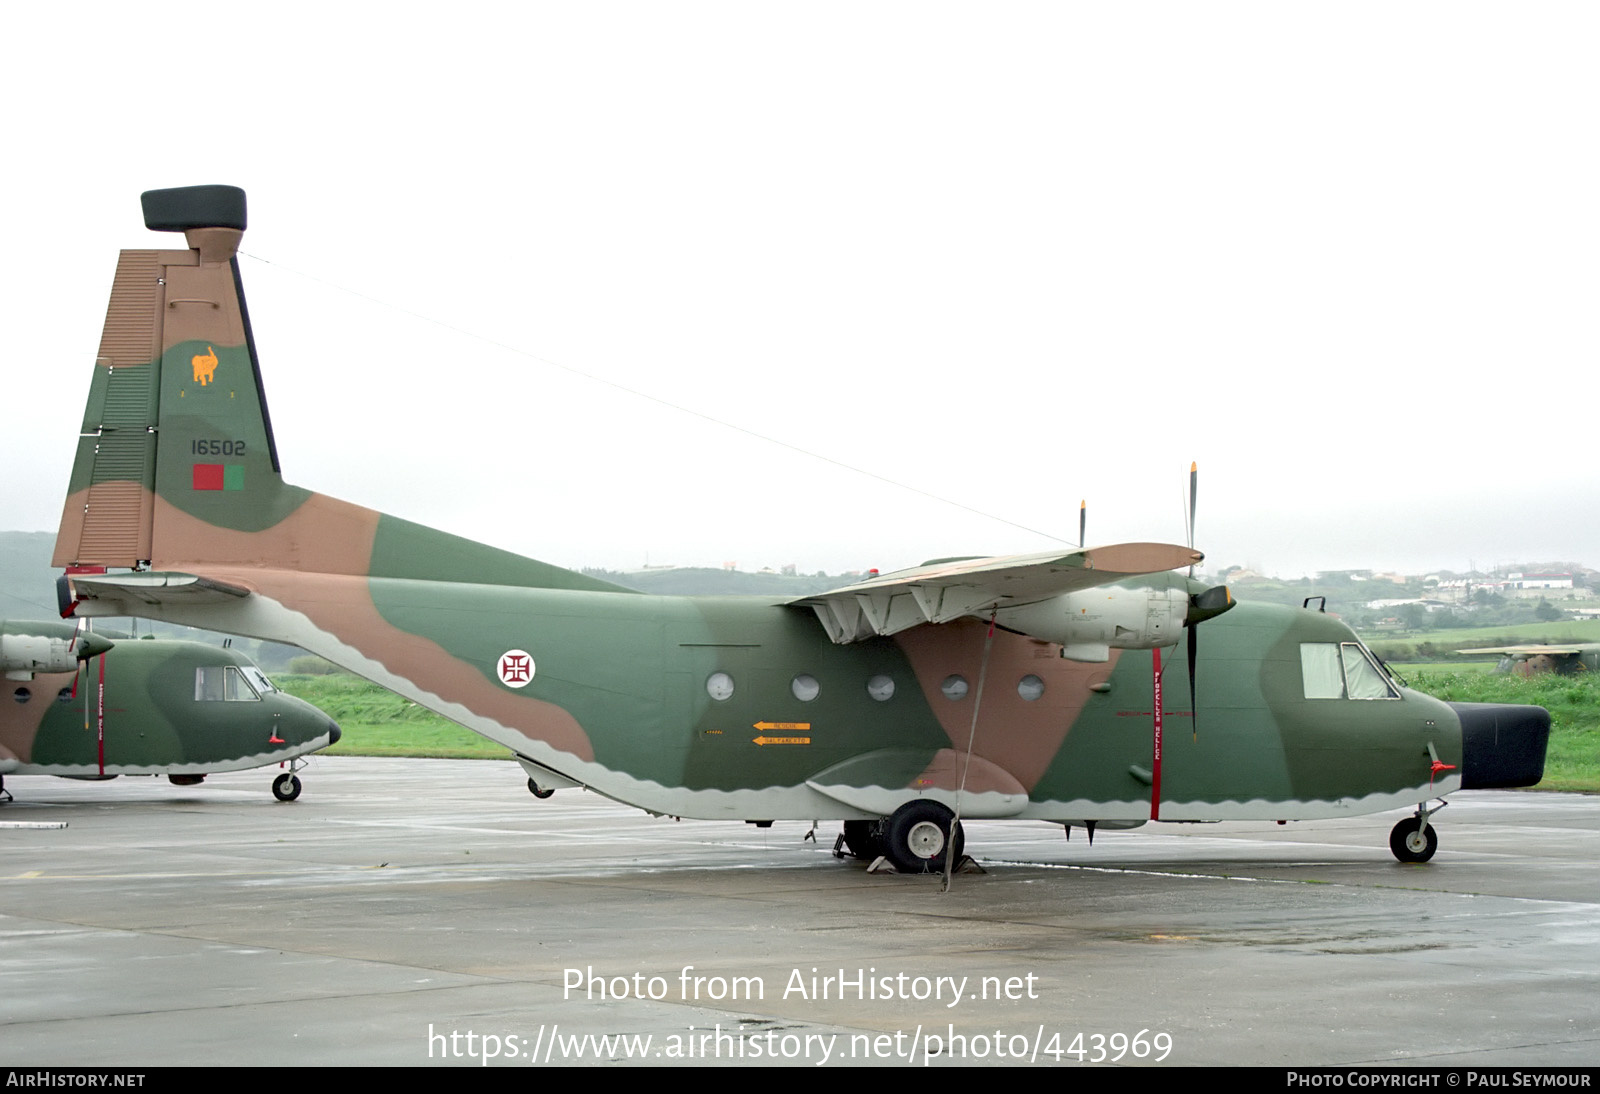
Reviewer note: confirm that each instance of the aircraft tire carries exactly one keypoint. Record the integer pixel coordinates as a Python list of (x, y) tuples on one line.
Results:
[(917, 836), (286, 787), (540, 792), (864, 838), (1411, 845)]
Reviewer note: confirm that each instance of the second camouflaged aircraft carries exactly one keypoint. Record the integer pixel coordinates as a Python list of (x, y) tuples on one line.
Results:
[(886, 704), (83, 705)]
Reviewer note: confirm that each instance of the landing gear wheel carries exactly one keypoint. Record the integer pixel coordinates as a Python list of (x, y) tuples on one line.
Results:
[(864, 838), (540, 792), (918, 835), (286, 787), (1410, 842)]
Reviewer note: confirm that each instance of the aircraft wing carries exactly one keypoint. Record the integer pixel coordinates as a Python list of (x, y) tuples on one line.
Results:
[(1530, 651), (942, 591), (155, 588)]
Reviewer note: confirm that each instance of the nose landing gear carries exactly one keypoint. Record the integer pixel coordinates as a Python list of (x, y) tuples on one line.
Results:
[(1414, 839)]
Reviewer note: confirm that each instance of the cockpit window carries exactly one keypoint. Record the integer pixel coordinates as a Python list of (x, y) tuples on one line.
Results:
[(222, 683), (1362, 675), (258, 679), (1342, 670)]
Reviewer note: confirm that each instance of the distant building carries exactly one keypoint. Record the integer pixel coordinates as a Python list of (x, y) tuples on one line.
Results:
[(1539, 581)]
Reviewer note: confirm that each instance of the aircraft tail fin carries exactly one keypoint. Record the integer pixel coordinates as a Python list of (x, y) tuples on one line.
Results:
[(177, 468), (176, 414)]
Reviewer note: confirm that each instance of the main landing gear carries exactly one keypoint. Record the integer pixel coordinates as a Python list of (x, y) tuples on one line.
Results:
[(1414, 839), (915, 838)]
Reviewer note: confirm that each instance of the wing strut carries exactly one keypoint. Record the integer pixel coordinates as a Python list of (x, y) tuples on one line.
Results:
[(972, 738)]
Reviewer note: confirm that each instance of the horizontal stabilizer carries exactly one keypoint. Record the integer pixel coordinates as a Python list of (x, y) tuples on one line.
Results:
[(155, 588)]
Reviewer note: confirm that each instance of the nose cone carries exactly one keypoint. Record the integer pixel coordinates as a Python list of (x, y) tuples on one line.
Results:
[(1502, 744), (333, 732)]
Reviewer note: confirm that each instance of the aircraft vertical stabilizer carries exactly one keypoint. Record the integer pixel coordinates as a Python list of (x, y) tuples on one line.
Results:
[(176, 415), (177, 468)]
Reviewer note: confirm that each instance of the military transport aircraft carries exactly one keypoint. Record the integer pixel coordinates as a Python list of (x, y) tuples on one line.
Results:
[(1567, 660), (999, 687), (145, 707)]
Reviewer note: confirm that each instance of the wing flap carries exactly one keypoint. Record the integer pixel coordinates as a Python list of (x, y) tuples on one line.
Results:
[(944, 591)]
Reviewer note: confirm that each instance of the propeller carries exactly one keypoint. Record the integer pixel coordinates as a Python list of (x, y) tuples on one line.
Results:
[(1204, 605), (88, 644), (1194, 496)]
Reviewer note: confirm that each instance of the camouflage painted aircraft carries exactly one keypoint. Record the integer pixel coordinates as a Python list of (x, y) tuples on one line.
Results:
[(1567, 660), (144, 707), (1002, 687)]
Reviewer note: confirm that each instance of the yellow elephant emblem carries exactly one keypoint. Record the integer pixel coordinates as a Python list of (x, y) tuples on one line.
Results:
[(205, 366)]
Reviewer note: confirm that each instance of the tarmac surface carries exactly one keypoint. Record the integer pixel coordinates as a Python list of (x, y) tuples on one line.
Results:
[(400, 905)]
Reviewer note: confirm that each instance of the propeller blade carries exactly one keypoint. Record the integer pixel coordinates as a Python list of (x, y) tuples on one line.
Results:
[(64, 599), (1083, 521), (1194, 707), (1204, 605), (1194, 496)]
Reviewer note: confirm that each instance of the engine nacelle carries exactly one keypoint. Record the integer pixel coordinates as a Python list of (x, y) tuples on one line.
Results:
[(22, 655), (1089, 624)]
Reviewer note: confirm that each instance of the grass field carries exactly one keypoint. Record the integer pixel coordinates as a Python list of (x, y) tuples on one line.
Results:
[(376, 722), (1400, 647)]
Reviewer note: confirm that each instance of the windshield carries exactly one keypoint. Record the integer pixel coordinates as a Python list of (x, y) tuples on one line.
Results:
[(258, 679), (1343, 670)]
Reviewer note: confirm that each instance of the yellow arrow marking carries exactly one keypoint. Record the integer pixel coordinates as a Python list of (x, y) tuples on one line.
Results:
[(765, 740), (782, 725)]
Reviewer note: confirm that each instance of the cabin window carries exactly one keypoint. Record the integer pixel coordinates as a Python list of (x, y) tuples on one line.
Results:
[(222, 683), (1340, 670), (805, 687), (881, 688), (719, 685), (954, 687), (1030, 687)]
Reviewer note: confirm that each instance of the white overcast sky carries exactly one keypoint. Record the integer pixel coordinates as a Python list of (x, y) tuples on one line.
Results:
[(1013, 255)]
